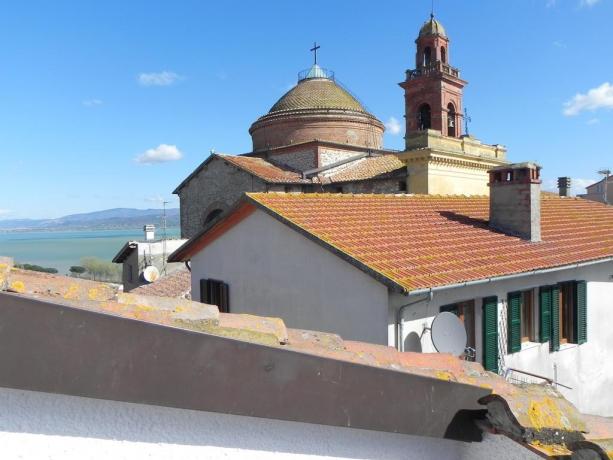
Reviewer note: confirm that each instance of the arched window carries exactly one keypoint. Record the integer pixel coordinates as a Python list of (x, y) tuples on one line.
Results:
[(212, 216), (427, 56), (424, 118), (443, 55), (452, 120)]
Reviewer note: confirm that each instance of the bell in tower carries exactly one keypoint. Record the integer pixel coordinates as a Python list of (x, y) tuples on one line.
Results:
[(433, 89), (441, 159)]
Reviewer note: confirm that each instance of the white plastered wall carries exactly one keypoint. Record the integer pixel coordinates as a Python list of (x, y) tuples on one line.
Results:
[(273, 270), (37, 426), (587, 368)]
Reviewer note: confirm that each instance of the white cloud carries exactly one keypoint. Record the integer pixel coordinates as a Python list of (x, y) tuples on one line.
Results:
[(165, 78), (393, 126), (588, 3), (92, 102), (592, 121), (161, 154), (550, 3), (5, 212), (558, 44), (594, 99)]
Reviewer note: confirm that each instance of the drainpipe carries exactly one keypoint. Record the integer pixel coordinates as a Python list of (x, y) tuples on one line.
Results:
[(400, 317)]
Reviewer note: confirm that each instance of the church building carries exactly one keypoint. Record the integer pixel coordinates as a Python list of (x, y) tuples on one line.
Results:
[(318, 137)]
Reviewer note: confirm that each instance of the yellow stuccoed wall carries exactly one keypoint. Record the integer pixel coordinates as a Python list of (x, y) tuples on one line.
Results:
[(441, 165)]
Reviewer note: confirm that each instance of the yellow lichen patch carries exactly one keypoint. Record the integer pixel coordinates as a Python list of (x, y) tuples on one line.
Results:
[(179, 309), (444, 375), (72, 293), (93, 294), (545, 413), (18, 286), (551, 450)]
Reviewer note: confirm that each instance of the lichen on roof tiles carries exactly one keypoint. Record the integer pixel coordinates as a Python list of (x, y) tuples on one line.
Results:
[(420, 241)]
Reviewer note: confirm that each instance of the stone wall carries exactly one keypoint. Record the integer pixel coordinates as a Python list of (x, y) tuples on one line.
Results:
[(216, 186), (300, 160)]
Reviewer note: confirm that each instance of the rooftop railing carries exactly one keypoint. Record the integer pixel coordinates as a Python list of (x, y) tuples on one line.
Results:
[(434, 68), (315, 72)]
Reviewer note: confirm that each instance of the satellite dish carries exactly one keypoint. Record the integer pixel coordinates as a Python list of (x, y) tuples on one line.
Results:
[(448, 334), (151, 274)]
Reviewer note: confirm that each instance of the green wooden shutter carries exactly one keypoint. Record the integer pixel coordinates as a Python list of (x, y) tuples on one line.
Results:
[(514, 321), (204, 291), (554, 341), (580, 313), (544, 313), (490, 334)]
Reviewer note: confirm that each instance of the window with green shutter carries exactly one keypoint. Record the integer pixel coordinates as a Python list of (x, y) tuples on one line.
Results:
[(580, 312), (554, 340), (514, 321), (544, 313), (490, 334)]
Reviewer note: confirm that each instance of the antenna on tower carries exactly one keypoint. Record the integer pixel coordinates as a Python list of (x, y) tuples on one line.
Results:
[(164, 203), (432, 10)]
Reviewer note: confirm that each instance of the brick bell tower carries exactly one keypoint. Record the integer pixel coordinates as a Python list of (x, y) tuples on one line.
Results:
[(433, 90)]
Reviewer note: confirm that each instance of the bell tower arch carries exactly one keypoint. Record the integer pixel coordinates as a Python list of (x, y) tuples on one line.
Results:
[(434, 84)]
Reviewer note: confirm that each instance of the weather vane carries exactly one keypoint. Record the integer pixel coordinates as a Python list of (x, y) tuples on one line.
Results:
[(314, 50)]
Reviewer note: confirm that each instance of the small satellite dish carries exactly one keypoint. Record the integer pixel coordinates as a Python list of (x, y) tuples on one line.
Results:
[(151, 274), (448, 334)]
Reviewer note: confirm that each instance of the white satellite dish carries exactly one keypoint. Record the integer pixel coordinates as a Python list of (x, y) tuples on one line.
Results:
[(151, 274), (448, 334)]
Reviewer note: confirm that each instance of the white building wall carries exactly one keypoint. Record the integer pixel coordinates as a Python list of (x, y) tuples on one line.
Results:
[(46, 426), (273, 270), (587, 368)]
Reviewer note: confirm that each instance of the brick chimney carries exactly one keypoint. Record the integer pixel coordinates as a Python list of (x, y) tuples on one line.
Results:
[(515, 200), (564, 186)]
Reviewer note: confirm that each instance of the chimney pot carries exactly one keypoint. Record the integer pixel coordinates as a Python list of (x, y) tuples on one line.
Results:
[(515, 200), (564, 186)]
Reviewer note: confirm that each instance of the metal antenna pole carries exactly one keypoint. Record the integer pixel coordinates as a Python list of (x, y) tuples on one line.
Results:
[(164, 203)]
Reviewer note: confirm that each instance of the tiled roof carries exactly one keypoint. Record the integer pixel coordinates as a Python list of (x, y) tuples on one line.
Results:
[(317, 93), (362, 169), (176, 284), (368, 168), (417, 241), (263, 169)]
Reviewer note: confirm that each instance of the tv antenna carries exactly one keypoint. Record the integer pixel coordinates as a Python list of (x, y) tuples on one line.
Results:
[(164, 203)]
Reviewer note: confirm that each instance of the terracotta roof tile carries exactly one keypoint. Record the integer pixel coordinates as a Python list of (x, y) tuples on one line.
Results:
[(362, 169), (264, 170), (419, 241), (176, 284), (368, 168)]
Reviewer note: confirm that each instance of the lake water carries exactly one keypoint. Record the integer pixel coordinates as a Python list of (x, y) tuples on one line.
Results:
[(61, 250)]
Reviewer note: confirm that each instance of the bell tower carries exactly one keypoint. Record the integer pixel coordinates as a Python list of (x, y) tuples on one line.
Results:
[(433, 90)]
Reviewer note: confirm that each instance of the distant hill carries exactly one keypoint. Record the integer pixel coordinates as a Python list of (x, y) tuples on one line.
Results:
[(118, 218)]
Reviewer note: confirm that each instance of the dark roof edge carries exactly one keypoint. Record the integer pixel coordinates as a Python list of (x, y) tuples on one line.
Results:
[(156, 375), (124, 252), (186, 251)]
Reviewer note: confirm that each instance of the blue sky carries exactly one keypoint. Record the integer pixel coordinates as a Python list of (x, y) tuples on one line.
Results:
[(91, 92)]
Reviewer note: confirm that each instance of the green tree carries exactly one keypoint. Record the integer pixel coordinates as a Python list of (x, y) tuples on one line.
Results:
[(101, 270), (77, 270)]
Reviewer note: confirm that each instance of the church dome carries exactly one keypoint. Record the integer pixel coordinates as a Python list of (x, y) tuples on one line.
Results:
[(317, 93), (432, 27), (317, 108)]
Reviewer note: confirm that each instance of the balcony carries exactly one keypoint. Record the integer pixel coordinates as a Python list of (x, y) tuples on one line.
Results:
[(434, 68)]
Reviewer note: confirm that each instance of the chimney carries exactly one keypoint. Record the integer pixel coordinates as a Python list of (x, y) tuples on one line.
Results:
[(564, 186), (149, 232), (515, 200)]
